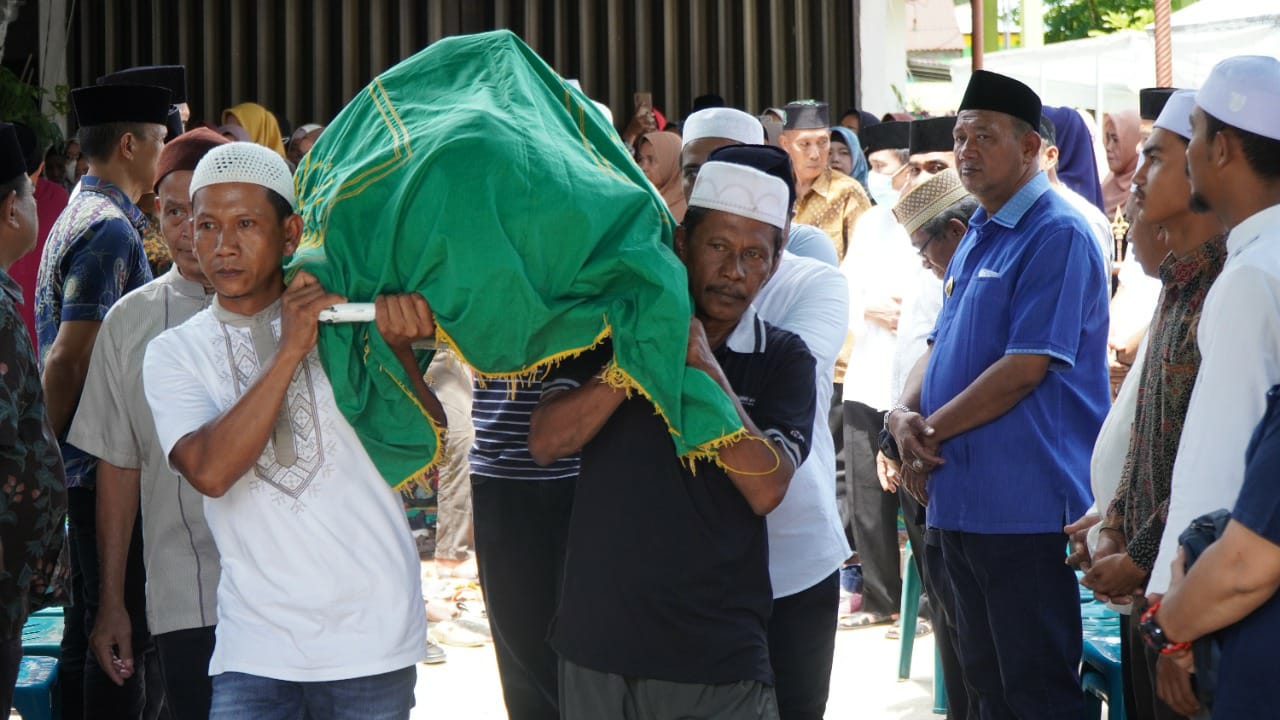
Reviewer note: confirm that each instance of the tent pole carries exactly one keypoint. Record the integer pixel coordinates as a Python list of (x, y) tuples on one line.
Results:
[(977, 37), (1164, 45)]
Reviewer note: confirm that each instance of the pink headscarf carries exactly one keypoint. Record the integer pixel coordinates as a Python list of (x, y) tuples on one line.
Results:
[(1122, 161)]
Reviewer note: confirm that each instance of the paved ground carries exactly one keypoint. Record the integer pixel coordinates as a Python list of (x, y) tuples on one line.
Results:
[(864, 682)]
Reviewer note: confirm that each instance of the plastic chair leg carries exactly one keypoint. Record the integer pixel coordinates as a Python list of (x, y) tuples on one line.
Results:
[(939, 685), (908, 613)]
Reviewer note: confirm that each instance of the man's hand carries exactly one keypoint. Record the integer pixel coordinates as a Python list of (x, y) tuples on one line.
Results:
[(915, 444), (1121, 358), (916, 484), (887, 471), (112, 631), (1113, 577), (1173, 682), (1078, 538), (402, 319), (300, 308), (698, 353), (885, 314)]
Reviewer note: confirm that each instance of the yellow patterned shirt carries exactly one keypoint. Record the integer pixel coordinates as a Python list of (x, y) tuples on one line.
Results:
[(157, 252), (833, 204)]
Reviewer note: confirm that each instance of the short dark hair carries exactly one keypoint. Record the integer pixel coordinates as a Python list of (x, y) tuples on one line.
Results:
[(16, 185), (1022, 127), (97, 142), (962, 210), (1048, 133), (1262, 153), (695, 215)]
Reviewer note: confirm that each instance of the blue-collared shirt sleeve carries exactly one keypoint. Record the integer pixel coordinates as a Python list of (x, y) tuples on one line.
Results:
[(1055, 291), (100, 269)]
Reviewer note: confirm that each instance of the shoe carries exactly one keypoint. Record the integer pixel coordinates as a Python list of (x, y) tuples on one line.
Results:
[(435, 653), (451, 633), (922, 628)]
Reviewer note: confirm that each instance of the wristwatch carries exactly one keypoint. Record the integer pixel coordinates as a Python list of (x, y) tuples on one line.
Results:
[(888, 445), (1154, 635)]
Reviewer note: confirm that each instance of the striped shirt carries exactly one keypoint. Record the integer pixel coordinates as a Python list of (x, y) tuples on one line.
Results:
[(501, 413)]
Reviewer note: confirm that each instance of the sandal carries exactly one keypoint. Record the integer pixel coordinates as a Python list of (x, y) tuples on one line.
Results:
[(863, 619), (922, 628)]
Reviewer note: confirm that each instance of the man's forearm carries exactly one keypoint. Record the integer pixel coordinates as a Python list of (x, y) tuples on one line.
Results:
[(566, 421), (63, 381), (759, 469), (1231, 579), (915, 381), (215, 456), (426, 397), (992, 394), (117, 508)]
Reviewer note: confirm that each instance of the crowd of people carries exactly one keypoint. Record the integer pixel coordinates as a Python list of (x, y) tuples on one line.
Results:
[(1049, 351)]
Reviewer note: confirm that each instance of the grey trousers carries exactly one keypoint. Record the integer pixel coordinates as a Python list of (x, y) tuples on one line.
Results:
[(586, 694), (450, 379)]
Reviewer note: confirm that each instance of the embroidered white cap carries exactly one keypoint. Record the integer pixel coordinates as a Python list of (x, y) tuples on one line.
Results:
[(743, 191), (723, 122), (1176, 115), (244, 162), (1244, 92)]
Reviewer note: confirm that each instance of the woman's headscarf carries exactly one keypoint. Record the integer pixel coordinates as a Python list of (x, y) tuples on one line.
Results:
[(259, 123), (1115, 184), (859, 171), (666, 173), (1077, 166)]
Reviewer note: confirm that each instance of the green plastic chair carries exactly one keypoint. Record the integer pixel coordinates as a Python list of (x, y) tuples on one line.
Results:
[(909, 614)]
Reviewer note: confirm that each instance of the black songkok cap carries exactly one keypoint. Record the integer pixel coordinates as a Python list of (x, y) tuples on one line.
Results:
[(174, 123), (32, 154), (102, 104), (1151, 101), (171, 77), (806, 115), (13, 162), (710, 100), (894, 135), (768, 159), (1000, 93), (932, 135)]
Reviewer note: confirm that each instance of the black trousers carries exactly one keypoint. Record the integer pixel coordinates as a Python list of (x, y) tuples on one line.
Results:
[(875, 512), (521, 529), (1018, 624), (86, 690), (184, 665), (802, 644), (10, 664), (1138, 664), (942, 603)]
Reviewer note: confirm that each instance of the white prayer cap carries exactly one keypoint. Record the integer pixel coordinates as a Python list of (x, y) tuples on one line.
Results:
[(1176, 115), (244, 162), (743, 191), (1244, 92), (723, 122)]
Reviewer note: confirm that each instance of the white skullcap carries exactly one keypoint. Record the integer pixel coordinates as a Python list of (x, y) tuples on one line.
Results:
[(1244, 92), (604, 110), (1176, 115), (244, 162), (743, 191), (723, 122)]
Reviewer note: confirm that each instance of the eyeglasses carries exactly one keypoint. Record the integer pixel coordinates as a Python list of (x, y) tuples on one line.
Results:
[(925, 246)]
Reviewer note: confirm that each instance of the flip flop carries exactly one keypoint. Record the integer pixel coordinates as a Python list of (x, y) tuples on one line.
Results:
[(863, 619)]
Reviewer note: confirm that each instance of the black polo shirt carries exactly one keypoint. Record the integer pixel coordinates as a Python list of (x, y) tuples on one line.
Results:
[(667, 569)]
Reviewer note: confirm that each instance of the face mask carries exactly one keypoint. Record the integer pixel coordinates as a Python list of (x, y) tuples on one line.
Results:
[(881, 188)]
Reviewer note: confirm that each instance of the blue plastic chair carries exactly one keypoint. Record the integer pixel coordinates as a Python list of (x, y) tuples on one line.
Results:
[(1100, 673), (42, 635), (908, 614), (33, 697)]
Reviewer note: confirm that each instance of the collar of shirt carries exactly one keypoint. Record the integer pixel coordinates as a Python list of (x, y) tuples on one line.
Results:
[(10, 287), (1178, 272), (822, 185), (264, 316), (1243, 235), (748, 335), (1010, 214), (185, 287), (137, 218)]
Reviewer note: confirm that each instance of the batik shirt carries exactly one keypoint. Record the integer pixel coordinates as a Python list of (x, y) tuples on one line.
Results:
[(33, 499), (93, 257), (1168, 375), (833, 204), (158, 257)]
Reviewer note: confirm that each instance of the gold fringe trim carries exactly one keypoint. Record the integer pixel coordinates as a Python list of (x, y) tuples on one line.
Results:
[(419, 476)]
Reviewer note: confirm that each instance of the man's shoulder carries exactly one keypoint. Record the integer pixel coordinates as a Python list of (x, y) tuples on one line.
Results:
[(780, 343), (201, 326), (842, 185)]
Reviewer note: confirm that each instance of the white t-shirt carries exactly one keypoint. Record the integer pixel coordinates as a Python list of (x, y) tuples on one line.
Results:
[(320, 576), (880, 265), (806, 540), (1098, 223)]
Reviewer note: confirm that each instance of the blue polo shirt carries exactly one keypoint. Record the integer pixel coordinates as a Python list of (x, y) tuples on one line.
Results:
[(1026, 280)]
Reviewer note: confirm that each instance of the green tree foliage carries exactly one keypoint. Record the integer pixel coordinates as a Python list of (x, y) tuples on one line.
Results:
[(1074, 19)]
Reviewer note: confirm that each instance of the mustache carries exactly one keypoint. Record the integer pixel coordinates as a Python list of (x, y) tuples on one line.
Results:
[(729, 290)]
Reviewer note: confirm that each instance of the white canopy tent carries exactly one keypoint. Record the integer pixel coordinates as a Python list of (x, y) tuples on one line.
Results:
[(1106, 72)]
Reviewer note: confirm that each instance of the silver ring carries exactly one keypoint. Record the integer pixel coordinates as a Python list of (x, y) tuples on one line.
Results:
[(918, 464)]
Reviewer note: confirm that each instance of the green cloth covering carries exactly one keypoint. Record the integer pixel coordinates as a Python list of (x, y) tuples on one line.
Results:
[(472, 173)]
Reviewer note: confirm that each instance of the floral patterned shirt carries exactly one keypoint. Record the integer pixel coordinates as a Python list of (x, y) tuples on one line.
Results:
[(33, 499), (1168, 376)]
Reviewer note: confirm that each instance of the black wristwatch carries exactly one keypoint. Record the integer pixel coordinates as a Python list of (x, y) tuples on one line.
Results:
[(888, 445), (1154, 635)]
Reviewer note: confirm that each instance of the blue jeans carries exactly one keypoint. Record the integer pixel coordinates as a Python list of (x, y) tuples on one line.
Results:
[(237, 696)]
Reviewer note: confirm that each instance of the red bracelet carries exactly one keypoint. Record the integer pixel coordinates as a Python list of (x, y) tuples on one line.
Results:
[(1170, 648)]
